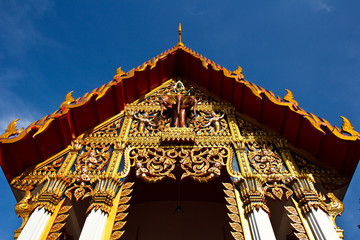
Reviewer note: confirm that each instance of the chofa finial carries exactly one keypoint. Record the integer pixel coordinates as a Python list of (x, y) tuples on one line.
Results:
[(180, 44), (347, 128), (11, 130)]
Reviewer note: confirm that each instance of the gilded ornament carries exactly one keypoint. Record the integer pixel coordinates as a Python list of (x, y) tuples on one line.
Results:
[(23, 209), (121, 214), (348, 128), (238, 72), (59, 223), (296, 223), (201, 164), (119, 74), (264, 160), (289, 97), (234, 216), (11, 130), (143, 120), (179, 44), (68, 100)]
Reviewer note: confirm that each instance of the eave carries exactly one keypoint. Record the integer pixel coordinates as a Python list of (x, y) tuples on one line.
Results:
[(303, 130)]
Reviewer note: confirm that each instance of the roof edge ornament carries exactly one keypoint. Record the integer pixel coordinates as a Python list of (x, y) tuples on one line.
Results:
[(348, 128), (11, 130), (68, 100), (180, 44), (119, 74), (289, 97)]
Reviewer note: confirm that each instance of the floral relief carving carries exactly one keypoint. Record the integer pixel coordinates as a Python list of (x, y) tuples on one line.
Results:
[(201, 163), (93, 159), (264, 160)]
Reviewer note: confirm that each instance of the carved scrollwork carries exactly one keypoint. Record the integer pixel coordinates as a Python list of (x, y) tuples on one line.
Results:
[(264, 160), (206, 123), (276, 189), (203, 164), (110, 130), (200, 163), (153, 164)]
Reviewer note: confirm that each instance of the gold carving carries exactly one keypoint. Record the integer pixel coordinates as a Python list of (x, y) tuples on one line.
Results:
[(303, 186), (296, 223), (238, 72), (11, 130), (203, 164), (289, 97), (59, 223), (94, 158), (121, 214), (334, 208), (51, 193), (68, 100), (233, 214), (23, 209), (252, 193), (143, 121), (200, 163), (153, 164), (264, 160), (179, 44), (347, 128), (104, 194), (81, 191), (119, 74), (178, 135)]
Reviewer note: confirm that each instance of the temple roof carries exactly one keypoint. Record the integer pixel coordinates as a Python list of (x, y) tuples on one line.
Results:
[(332, 146)]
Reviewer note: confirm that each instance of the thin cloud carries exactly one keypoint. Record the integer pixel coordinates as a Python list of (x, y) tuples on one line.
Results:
[(19, 33), (11, 105), (320, 5), (314, 5), (18, 30)]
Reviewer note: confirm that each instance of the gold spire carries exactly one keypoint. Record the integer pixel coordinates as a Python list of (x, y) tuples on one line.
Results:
[(180, 44)]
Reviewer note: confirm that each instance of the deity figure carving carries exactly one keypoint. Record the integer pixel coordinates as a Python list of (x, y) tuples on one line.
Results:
[(215, 121), (143, 121), (179, 104)]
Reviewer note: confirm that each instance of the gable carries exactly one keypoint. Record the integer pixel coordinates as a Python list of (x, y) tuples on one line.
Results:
[(217, 142), (303, 130)]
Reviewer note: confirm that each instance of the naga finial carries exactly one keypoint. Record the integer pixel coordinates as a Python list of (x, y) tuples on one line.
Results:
[(238, 72), (119, 73), (289, 97), (68, 99), (347, 128), (11, 129), (180, 44)]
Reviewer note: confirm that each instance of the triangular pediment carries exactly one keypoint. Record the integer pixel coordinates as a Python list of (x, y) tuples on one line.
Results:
[(303, 130)]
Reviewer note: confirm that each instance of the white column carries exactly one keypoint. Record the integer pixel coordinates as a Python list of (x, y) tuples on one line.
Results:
[(94, 225), (321, 225), (260, 224), (35, 225)]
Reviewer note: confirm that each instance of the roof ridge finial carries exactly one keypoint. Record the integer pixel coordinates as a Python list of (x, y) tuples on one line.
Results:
[(180, 44)]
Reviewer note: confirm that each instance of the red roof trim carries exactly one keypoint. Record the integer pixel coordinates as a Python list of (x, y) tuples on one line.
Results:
[(292, 122)]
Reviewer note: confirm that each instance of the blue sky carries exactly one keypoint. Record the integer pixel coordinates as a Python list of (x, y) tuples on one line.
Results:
[(311, 47)]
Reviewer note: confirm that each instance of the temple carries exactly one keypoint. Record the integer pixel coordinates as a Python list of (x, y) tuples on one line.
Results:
[(179, 148)]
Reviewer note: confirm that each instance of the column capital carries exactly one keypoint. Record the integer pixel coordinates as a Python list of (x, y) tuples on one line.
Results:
[(252, 193), (306, 193), (104, 193), (51, 193)]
